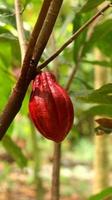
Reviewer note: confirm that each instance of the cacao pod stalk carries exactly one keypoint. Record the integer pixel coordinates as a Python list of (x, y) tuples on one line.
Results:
[(50, 107)]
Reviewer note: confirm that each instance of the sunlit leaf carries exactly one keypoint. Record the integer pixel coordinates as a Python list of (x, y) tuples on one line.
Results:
[(102, 95), (103, 63), (105, 89), (5, 89), (7, 15), (102, 110), (98, 98), (105, 194), (24, 108), (7, 36)]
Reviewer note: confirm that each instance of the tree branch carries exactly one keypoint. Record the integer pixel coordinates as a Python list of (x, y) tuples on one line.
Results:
[(27, 73), (74, 36), (20, 29), (47, 29), (34, 36)]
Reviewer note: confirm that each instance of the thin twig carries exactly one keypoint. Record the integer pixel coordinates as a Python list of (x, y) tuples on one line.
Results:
[(74, 36), (20, 29), (71, 77), (76, 67)]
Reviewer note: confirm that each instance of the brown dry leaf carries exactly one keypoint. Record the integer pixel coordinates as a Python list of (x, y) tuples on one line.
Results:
[(105, 122)]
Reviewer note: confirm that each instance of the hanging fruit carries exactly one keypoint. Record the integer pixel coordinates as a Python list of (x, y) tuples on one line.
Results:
[(50, 107)]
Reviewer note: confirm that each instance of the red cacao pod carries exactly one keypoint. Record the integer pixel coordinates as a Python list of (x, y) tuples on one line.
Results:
[(50, 107)]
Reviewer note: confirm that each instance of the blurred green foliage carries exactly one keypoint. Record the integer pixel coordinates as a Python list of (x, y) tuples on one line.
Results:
[(87, 101)]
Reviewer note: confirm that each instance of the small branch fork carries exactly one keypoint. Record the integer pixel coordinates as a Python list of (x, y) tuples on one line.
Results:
[(28, 71), (37, 44)]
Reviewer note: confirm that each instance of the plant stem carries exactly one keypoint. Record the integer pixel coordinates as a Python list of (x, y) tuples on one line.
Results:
[(35, 35), (55, 193), (36, 153), (74, 70), (20, 29), (47, 28)]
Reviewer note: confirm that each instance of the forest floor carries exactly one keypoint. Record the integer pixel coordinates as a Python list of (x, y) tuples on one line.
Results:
[(17, 184)]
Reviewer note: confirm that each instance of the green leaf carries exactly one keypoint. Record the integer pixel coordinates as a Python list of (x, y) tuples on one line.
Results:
[(107, 194), (24, 108), (102, 110), (84, 82), (78, 21), (7, 36), (98, 98), (26, 2), (101, 38), (105, 46), (14, 151), (105, 89), (102, 63), (102, 95), (5, 87), (89, 5), (8, 44), (7, 14), (102, 30)]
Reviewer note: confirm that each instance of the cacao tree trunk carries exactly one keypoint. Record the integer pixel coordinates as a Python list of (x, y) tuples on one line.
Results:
[(55, 189)]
